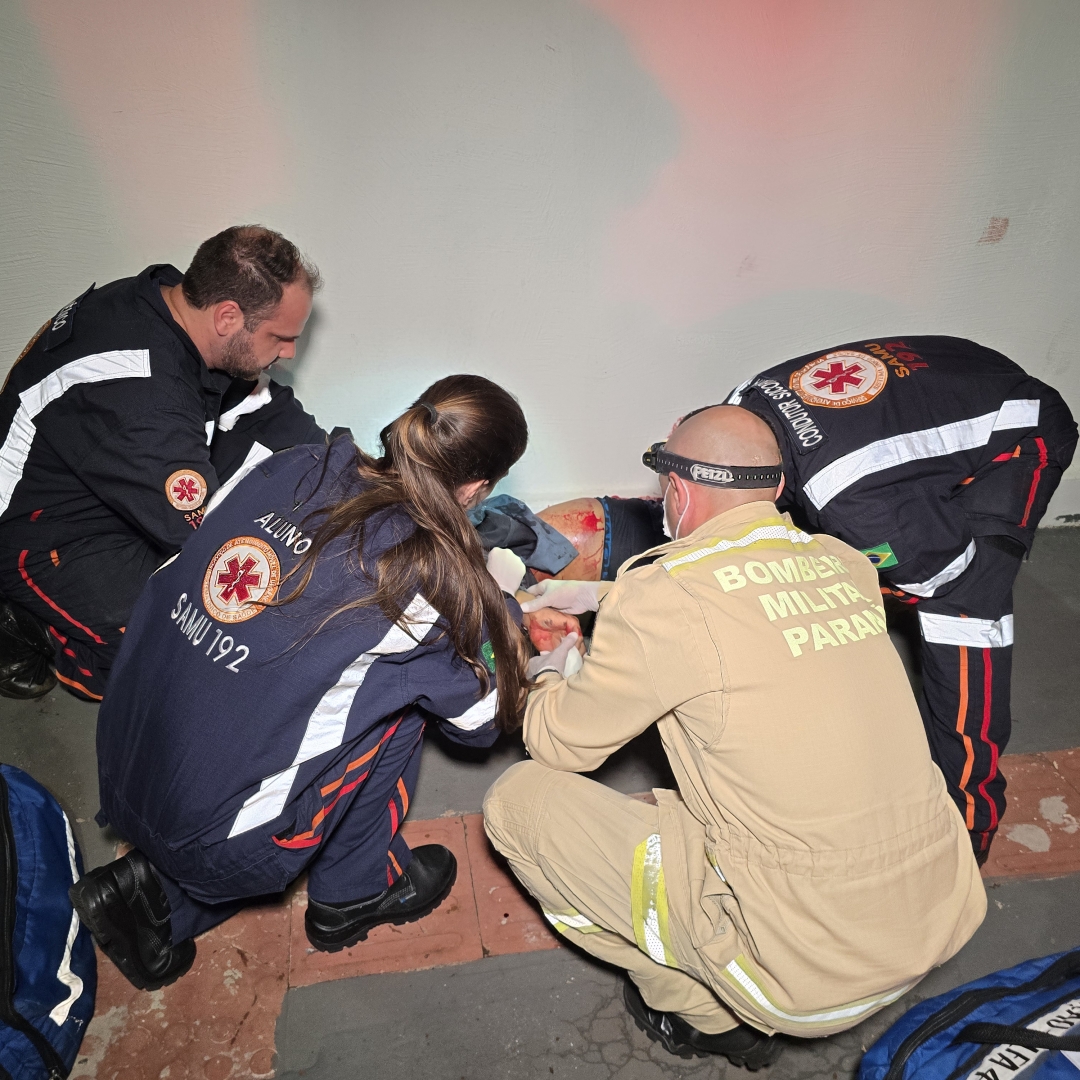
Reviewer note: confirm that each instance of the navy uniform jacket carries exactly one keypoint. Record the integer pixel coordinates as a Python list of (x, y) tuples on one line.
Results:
[(899, 447), (224, 720), (109, 422)]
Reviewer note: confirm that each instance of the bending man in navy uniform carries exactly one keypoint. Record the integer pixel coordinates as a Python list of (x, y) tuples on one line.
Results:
[(119, 421), (241, 743), (937, 458)]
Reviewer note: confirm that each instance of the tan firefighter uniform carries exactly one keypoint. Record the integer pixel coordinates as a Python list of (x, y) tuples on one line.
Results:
[(811, 867)]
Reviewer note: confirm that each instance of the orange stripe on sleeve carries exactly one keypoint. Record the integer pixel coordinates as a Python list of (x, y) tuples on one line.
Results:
[(969, 750)]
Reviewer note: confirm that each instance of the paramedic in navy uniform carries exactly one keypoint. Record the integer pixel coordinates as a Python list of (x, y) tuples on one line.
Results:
[(935, 456), (118, 422), (244, 740)]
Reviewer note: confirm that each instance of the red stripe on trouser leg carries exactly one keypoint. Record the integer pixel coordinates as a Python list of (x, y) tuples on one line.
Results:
[(1043, 460), (988, 697), (392, 807), (56, 607)]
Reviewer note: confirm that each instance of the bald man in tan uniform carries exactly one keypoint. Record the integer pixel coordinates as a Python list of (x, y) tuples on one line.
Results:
[(811, 867)]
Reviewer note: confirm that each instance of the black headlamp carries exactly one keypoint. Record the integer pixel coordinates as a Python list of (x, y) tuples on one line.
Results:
[(701, 472)]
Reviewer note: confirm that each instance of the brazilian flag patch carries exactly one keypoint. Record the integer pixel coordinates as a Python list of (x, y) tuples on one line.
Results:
[(488, 653), (881, 555)]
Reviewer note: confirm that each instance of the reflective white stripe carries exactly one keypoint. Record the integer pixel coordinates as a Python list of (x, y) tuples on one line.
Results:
[(917, 445), (952, 571), (651, 925), (326, 725), (209, 432), (735, 397), (64, 973), (97, 367), (258, 397), (766, 532), (477, 715), (830, 1016), (257, 453), (578, 922), (979, 633)]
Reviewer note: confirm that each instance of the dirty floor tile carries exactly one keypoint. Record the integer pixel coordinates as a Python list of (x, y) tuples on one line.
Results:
[(449, 935), (216, 1022), (1040, 832), (509, 921)]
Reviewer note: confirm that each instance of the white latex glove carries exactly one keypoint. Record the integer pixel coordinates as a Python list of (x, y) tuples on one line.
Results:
[(506, 568), (572, 597), (564, 659)]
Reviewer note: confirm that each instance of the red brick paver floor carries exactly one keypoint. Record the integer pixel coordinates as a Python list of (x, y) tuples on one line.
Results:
[(217, 1023)]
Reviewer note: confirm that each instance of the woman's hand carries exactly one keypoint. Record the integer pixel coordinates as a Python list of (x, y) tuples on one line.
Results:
[(506, 568)]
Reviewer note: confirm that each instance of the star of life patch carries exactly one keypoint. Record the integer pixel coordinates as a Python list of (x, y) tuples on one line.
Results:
[(841, 379), (242, 576), (185, 489)]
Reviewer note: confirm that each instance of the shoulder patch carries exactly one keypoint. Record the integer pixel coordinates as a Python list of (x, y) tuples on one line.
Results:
[(841, 379), (242, 573), (488, 653), (63, 322), (185, 489)]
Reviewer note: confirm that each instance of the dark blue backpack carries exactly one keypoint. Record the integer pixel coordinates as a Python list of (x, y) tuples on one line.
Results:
[(48, 972), (1024, 1021)]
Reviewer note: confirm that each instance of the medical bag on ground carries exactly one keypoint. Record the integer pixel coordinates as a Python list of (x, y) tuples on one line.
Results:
[(1022, 1022), (48, 972)]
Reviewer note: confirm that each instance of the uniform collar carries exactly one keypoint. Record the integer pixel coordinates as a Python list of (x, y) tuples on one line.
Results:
[(734, 519), (149, 284), (732, 523)]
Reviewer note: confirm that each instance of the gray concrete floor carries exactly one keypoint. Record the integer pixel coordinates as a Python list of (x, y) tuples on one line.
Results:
[(558, 1013)]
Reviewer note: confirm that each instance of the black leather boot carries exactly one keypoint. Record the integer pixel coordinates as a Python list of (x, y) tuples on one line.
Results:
[(419, 891), (741, 1046), (124, 906), (26, 654)]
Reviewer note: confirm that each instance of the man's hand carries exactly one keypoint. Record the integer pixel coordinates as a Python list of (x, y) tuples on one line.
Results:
[(572, 597), (506, 568), (564, 660)]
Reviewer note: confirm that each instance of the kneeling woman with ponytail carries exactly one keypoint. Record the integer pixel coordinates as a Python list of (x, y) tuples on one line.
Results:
[(266, 711)]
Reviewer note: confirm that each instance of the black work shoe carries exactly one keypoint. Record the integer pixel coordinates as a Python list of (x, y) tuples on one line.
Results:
[(741, 1046), (124, 906), (419, 891), (25, 654)]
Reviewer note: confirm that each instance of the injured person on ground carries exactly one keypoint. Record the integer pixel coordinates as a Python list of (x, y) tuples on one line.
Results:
[(266, 711), (811, 868), (934, 456)]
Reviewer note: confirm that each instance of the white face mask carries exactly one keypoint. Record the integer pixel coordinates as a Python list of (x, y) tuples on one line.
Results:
[(668, 532)]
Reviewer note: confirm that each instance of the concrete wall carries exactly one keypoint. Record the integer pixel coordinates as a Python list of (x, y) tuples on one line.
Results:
[(617, 208)]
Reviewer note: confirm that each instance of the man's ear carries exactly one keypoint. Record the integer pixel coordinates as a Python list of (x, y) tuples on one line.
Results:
[(780, 487), (228, 318), (682, 492)]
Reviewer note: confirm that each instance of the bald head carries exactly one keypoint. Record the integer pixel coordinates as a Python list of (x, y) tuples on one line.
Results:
[(724, 435)]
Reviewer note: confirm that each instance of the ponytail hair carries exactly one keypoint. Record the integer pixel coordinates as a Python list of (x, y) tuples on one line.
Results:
[(462, 429)]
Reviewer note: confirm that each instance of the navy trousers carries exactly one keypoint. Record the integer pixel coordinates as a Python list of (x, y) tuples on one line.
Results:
[(352, 851)]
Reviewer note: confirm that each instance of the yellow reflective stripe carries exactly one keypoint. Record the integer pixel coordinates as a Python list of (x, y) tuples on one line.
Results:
[(648, 902), (573, 921), (762, 536), (737, 974)]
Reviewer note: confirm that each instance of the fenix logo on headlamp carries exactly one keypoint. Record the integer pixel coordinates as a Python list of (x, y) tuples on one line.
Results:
[(709, 474)]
